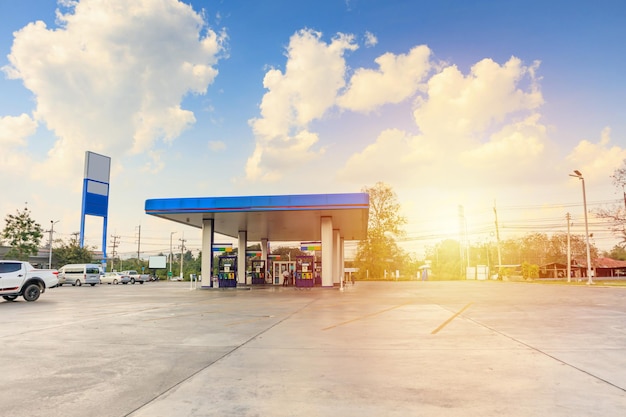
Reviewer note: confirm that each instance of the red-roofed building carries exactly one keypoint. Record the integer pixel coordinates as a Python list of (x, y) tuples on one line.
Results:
[(607, 267), (603, 267)]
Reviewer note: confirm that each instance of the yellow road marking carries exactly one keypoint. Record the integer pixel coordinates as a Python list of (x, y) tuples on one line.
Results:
[(445, 323), (367, 315)]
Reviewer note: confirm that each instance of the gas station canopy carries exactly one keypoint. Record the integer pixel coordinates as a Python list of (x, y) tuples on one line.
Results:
[(276, 218)]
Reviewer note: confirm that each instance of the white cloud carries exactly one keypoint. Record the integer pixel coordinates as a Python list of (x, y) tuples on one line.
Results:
[(155, 164), (111, 78), (459, 105), (14, 130), (597, 161), (314, 73), (394, 156), (471, 128), (282, 156), (398, 78), (521, 142), (370, 39)]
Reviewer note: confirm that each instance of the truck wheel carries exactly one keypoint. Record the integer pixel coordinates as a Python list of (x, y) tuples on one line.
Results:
[(32, 292), (93, 285), (9, 297), (114, 282), (78, 283), (132, 280), (141, 282)]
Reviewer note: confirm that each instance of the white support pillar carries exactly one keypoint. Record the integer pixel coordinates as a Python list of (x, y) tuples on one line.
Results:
[(327, 251), (336, 257), (342, 259), (264, 252), (241, 257), (206, 269)]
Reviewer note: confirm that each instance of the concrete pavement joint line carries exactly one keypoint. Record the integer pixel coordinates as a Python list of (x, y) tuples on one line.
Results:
[(548, 355), (445, 323), (176, 316), (234, 323), (225, 355), (366, 316)]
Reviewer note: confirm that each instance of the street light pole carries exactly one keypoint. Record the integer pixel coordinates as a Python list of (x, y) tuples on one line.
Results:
[(52, 223), (578, 175), (171, 254), (569, 251)]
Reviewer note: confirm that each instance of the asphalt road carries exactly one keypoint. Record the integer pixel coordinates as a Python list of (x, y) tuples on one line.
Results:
[(375, 349)]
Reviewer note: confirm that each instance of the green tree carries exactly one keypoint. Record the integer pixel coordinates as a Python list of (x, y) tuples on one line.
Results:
[(616, 214), (191, 265), (540, 249), (530, 271), (71, 253), (618, 253), (535, 248), (379, 252), (23, 234), (287, 253), (445, 260), (578, 248)]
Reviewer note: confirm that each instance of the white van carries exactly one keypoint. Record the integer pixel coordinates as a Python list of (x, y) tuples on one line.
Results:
[(79, 274)]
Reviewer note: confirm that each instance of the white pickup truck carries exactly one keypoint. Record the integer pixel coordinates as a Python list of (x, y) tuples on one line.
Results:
[(136, 276), (21, 278)]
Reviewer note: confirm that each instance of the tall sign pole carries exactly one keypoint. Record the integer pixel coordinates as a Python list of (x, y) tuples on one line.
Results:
[(96, 195)]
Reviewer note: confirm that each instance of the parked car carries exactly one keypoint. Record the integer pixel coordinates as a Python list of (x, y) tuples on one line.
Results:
[(114, 278), (21, 278), (136, 276), (79, 274)]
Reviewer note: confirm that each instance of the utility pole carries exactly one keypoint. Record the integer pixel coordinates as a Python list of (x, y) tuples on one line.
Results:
[(569, 250), (114, 244), (138, 243), (461, 240), (52, 223), (171, 253), (182, 254), (495, 212)]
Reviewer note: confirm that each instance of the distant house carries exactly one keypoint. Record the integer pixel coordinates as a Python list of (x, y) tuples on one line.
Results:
[(603, 268), (607, 267), (554, 270)]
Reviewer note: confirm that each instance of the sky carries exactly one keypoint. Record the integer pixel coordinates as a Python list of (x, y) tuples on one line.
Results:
[(458, 106)]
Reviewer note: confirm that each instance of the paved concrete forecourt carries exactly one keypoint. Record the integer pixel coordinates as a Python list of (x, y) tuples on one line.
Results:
[(374, 349)]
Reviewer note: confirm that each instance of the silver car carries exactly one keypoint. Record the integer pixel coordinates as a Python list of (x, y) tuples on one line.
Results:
[(114, 278)]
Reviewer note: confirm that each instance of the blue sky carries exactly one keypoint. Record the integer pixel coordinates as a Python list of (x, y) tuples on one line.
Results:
[(449, 102)]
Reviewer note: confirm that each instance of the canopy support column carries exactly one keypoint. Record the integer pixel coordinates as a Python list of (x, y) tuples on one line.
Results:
[(341, 258), (206, 269), (327, 251), (336, 257), (241, 257)]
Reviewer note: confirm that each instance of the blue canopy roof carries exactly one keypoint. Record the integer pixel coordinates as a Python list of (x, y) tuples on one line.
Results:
[(277, 217)]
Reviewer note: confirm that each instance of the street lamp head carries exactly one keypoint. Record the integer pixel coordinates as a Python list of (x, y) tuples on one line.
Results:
[(577, 172)]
